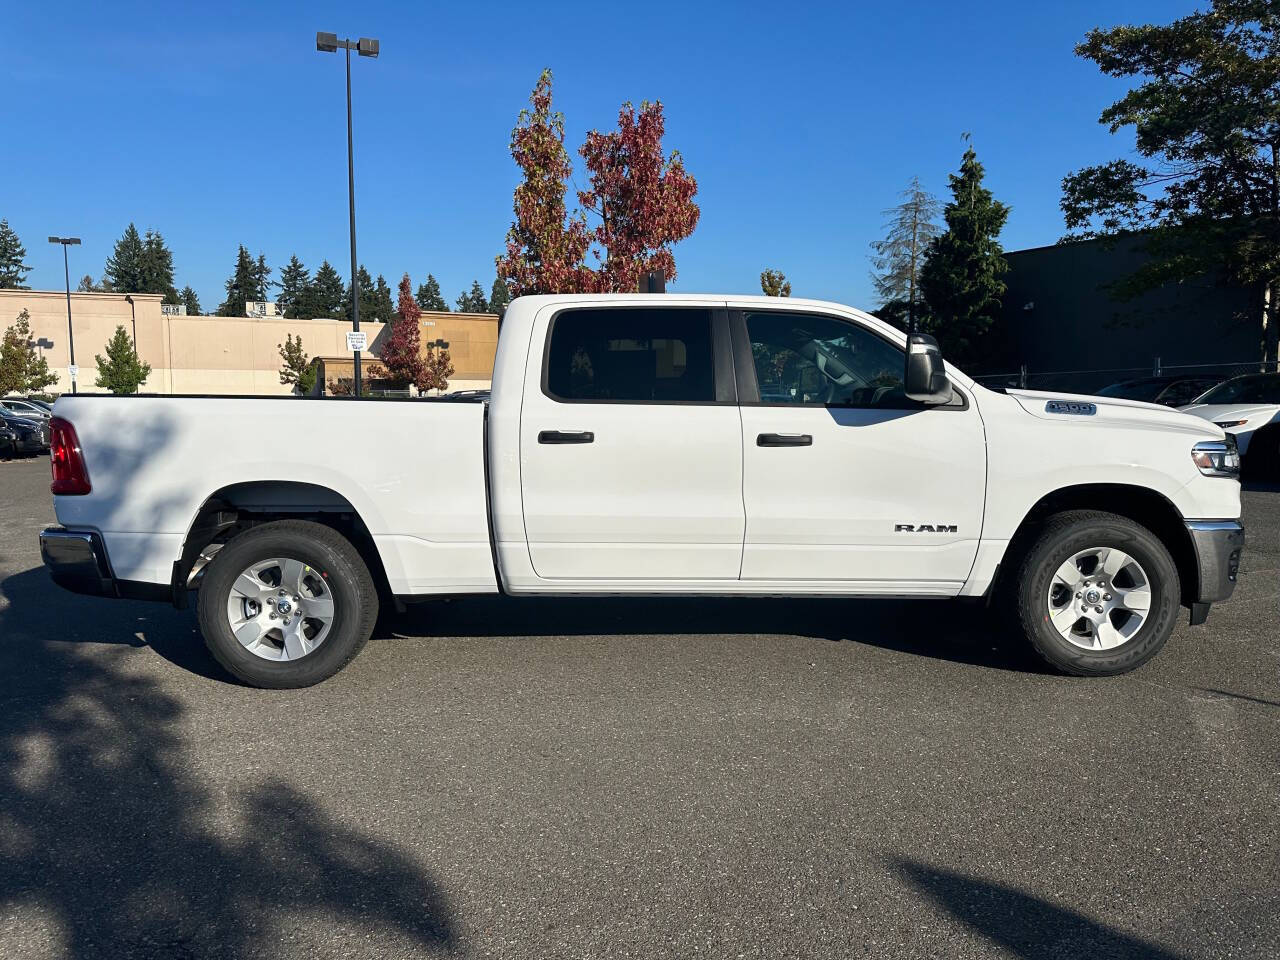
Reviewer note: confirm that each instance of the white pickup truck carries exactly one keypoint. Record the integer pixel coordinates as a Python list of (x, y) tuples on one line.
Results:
[(653, 445)]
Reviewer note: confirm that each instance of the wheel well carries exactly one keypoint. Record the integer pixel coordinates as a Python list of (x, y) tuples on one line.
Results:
[(1139, 504), (236, 508)]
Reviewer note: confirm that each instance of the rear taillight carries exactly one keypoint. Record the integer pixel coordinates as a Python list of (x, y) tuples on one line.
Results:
[(70, 478)]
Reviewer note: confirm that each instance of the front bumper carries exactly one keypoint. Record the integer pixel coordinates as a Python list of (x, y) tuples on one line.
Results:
[(77, 561), (1218, 545)]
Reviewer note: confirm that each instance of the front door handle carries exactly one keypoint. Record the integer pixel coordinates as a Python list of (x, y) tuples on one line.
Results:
[(566, 436), (784, 440)]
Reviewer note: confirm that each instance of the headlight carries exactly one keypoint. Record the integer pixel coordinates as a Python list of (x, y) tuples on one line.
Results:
[(1217, 458), (1228, 424)]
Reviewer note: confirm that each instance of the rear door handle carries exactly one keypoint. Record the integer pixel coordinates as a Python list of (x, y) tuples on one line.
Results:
[(566, 436), (784, 440)]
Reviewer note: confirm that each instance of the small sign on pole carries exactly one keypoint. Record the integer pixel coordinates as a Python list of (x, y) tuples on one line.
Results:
[(74, 370), (357, 340)]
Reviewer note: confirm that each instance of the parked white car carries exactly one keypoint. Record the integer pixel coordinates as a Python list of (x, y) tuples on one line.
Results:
[(1247, 408), (654, 445)]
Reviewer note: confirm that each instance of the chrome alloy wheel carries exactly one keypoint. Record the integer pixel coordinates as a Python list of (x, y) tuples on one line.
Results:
[(1099, 598), (280, 609)]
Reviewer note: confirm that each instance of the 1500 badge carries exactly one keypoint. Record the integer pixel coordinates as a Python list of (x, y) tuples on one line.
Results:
[(925, 528)]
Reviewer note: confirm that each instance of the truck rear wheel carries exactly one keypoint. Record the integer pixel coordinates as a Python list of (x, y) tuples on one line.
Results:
[(286, 604), (1097, 594)]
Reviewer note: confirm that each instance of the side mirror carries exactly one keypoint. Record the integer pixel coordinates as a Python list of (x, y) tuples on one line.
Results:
[(925, 378)]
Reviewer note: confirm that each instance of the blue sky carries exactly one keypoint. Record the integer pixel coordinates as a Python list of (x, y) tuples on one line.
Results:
[(220, 124)]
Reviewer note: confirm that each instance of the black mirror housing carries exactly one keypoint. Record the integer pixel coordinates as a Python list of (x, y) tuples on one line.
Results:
[(925, 379)]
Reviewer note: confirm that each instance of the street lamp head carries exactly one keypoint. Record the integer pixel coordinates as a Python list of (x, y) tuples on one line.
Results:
[(74, 241), (327, 42), (367, 47)]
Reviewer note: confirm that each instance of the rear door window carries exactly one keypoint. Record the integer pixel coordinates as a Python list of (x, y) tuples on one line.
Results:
[(630, 355)]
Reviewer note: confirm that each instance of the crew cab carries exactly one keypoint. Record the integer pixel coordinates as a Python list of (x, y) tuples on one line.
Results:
[(655, 445)]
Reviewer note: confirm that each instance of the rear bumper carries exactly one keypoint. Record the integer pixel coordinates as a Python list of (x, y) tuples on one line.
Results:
[(1218, 545), (77, 561)]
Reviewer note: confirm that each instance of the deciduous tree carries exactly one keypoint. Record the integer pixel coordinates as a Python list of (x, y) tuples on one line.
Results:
[(87, 285), (295, 367), (120, 371), (546, 246), (961, 278), (401, 352), (1205, 111), (642, 198), (774, 283), (13, 269), (429, 297), (899, 258)]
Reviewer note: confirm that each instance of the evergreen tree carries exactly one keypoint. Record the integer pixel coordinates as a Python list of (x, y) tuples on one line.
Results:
[(261, 279), (124, 268), (294, 281), (327, 295), (241, 286), (367, 297), (155, 268), (22, 370), (13, 272), (961, 278), (189, 299), (899, 257), (473, 301), (428, 296), (121, 371), (383, 309), (774, 283), (499, 296), (295, 368), (87, 285)]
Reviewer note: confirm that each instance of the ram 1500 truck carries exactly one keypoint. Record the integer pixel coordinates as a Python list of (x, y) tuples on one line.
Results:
[(653, 445)]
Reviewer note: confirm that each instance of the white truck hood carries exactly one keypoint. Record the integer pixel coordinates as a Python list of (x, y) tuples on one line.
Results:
[(1106, 412), (1255, 413)]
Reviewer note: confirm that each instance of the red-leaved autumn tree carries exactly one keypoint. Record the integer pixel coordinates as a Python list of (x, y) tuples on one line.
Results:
[(402, 353), (642, 199), (546, 249)]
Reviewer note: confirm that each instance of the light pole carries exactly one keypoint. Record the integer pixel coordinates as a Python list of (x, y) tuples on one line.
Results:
[(66, 269), (365, 47)]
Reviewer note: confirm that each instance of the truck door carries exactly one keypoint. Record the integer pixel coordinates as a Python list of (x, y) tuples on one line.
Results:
[(631, 446), (844, 478)]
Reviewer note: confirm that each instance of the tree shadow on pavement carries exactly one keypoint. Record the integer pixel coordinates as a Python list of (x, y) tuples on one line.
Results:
[(1025, 925), (109, 839)]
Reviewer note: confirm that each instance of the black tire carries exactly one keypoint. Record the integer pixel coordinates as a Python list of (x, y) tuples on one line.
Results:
[(1061, 537), (355, 601), (1263, 460)]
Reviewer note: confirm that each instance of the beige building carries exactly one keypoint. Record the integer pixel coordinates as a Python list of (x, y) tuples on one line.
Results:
[(219, 355)]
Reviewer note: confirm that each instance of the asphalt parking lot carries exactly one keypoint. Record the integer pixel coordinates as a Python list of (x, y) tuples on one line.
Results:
[(577, 778)]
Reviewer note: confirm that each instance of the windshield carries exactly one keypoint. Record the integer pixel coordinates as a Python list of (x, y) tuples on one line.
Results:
[(1134, 390), (1259, 388)]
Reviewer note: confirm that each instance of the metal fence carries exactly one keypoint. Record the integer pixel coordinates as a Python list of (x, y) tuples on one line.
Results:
[(1090, 381)]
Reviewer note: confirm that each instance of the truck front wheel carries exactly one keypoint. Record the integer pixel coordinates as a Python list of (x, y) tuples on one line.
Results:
[(286, 604), (1097, 593)]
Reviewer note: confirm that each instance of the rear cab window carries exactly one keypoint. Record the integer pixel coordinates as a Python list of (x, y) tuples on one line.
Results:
[(630, 355)]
